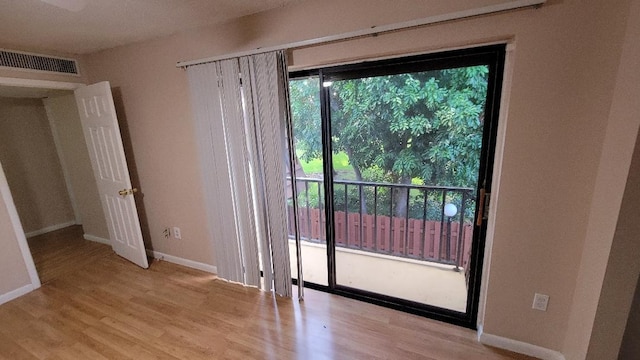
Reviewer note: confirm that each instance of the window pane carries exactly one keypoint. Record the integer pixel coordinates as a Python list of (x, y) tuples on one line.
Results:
[(406, 150), (305, 112)]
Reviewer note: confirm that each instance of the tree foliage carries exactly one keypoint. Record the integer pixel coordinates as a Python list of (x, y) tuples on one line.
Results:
[(305, 112), (424, 125)]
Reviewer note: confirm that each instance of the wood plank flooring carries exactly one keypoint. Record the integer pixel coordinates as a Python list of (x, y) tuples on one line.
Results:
[(108, 308), (63, 252)]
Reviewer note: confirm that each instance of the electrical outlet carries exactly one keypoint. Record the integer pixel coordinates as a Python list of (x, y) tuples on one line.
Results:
[(177, 233), (540, 302), (166, 232)]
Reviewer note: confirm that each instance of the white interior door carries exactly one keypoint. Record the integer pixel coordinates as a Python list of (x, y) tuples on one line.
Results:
[(102, 134)]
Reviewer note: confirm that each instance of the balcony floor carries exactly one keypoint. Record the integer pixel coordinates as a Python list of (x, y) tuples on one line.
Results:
[(420, 281)]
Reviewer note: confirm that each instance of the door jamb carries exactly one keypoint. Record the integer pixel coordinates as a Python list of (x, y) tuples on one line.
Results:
[(498, 156), (5, 194), (43, 84)]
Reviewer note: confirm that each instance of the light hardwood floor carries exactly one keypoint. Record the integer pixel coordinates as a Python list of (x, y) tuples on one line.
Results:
[(63, 252), (108, 308)]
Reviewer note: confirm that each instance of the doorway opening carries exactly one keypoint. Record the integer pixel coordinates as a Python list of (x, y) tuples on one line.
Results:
[(394, 174), (45, 161)]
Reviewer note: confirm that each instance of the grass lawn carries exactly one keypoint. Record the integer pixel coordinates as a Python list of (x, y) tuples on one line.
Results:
[(340, 164)]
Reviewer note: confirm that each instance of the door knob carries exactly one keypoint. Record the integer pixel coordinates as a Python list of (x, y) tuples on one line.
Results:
[(125, 192)]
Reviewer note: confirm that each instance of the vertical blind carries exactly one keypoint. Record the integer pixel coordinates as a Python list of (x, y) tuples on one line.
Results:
[(241, 115)]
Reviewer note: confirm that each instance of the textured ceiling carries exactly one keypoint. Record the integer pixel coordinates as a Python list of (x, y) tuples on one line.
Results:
[(87, 26)]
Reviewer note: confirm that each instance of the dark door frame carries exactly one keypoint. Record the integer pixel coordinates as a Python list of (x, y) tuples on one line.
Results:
[(494, 57)]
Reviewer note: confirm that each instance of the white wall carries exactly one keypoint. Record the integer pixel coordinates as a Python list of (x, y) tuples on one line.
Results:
[(609, 263)]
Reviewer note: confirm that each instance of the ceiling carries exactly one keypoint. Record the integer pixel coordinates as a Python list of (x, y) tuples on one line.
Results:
[(86, 26)]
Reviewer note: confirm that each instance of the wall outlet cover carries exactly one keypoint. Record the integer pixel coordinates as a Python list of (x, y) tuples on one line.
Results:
[(540, 302)]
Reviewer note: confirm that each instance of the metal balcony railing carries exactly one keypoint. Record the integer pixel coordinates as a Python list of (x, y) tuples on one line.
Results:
[(402, 220)]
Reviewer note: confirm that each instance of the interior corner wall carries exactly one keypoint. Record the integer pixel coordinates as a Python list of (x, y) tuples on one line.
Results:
[(630, 347), (63, 112), (616, 296), (609, 264), (31, 165), (564, 73)]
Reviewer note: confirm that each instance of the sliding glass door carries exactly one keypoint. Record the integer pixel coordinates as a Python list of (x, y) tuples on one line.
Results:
[(397, 160)]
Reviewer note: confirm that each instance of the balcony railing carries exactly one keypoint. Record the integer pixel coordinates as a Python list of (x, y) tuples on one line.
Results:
[(402, 220)]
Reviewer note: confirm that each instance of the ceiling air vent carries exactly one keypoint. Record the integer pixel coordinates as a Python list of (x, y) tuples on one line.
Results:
[(35, 62)]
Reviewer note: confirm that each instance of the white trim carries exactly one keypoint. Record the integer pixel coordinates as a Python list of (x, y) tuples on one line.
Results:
[(47, 72), (97, 239), (49, 229), (63, 163), (5, 193), (375, 30), (497, 176), (13, 294), (184, 262), (518, 346), (42, 84)]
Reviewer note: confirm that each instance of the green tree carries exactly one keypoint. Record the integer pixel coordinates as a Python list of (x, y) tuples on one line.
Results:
[(425, 125), (305, 113)]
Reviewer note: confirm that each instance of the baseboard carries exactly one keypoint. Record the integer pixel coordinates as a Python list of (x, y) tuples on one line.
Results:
[(518, 346), (184, 262), (50, 229), (16, 293), (96, 239)]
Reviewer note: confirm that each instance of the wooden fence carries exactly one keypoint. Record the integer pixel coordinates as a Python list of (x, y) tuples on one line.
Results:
[(421, 240)]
